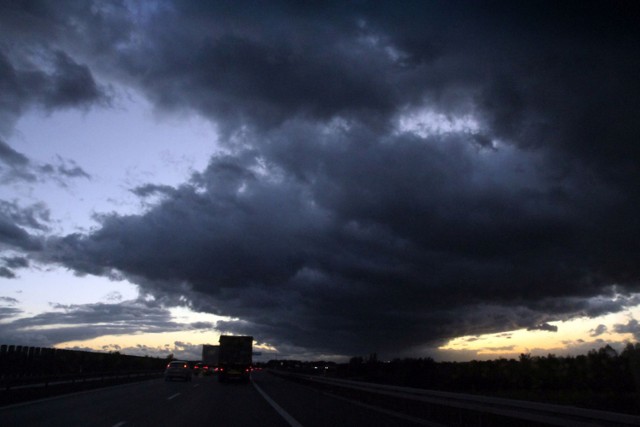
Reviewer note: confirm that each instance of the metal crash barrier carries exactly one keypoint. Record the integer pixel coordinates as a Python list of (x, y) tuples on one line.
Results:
[(511, 412)]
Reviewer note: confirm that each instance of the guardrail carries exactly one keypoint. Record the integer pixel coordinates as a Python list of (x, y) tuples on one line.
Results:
[(516, 411), (7, 384), (20, 389)]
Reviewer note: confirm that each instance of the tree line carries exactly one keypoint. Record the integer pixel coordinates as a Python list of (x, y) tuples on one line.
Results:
[(602, 379)]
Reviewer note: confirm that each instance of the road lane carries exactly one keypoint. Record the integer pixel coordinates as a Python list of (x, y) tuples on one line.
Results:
[(205, 402), (312, 407), (202, 402), (269, 402), (284, 414), (100, 407)]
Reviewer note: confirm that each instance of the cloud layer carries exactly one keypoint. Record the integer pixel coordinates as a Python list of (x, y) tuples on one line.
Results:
[(392, 175)]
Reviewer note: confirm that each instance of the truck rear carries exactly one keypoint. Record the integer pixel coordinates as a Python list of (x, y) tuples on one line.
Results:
[(235, 358), (210, 358)]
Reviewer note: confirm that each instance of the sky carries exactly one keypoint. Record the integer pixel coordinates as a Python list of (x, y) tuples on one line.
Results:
[(457, 180)]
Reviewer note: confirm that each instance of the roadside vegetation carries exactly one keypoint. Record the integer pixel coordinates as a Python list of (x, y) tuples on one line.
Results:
[(603, 379)]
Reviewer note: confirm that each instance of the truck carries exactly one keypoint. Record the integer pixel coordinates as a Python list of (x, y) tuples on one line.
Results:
[(235, 358), (210, 357)]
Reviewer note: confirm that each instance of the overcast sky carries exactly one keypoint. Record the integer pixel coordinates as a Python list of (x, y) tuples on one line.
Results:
[(332, 178)]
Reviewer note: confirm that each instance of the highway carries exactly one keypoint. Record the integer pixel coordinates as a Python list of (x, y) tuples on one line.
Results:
[(268, 401)]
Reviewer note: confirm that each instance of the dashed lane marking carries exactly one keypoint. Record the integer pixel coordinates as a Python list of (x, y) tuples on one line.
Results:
[(175, 395), (288, 418)]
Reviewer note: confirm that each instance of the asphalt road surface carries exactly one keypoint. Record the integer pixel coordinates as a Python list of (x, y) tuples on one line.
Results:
[(268, 401)]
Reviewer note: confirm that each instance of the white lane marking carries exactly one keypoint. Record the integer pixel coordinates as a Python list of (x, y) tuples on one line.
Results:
[(121, 423), (175, 395), (195, 385), (402, 416), (288, 418)]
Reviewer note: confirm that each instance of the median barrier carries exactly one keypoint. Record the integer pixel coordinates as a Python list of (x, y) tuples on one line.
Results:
[(20, 389), (463, 409)]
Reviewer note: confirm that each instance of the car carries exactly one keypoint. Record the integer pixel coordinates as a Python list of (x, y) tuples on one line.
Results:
[(200, 368), (178, 369)]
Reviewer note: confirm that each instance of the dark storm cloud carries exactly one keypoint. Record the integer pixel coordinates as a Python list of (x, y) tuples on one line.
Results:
[(394, 174), (149, 190), (543, 327), (86, 321), (234, 65), (68, 168), (15, 167), (69, 84), (36, 216), (7, 309), (10, 156), (632, 327), (599, 330), (15, 223), (35, 69), (7, 273), (14, 236), (8, 312), (202, 325)]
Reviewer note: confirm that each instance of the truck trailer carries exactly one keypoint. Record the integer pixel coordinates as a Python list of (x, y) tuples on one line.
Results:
[(210, 357), (235, 358), (210, 354)]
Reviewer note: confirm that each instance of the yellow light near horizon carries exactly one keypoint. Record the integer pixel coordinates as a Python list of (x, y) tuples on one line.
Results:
[(159, 341), (575, 334)]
